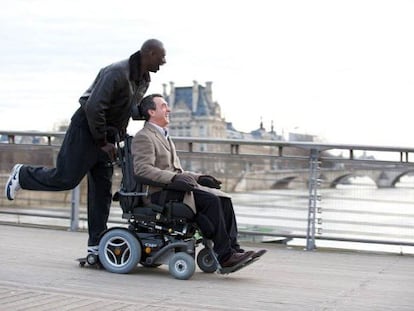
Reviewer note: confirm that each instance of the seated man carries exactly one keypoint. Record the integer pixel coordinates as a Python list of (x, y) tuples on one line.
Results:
[(155, 158)]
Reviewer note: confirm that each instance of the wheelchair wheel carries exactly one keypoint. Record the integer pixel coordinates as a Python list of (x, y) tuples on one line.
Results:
[(119, 251), (206, 261), (181, 266)]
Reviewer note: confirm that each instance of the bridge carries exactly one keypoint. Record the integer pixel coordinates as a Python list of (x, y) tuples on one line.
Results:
[(259, 159), (247, 165), (279, 165), (382, 177)]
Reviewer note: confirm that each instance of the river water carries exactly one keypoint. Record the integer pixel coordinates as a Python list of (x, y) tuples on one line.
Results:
[(358, 211)]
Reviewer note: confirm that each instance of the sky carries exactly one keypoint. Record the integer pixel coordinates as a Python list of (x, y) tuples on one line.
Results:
[(342, 70)]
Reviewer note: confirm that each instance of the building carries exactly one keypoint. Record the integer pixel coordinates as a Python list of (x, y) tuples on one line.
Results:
[(196, 114)]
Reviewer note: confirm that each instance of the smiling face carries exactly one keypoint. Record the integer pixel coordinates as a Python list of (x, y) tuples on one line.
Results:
[(152, 55), (156, 59), (161, 114)]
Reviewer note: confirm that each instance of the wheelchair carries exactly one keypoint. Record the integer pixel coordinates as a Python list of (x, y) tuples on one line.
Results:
[(157, 234)]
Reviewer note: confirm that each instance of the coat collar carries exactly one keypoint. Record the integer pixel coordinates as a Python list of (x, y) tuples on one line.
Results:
[(135, 68), (158, 134)]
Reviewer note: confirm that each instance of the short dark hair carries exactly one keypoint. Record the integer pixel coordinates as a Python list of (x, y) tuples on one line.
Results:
[(151, 44), (147, 103)]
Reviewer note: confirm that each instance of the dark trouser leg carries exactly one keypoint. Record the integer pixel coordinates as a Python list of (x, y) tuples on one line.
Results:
[(210, 218), (230, 220), (77, 154), (209, 205), (99, 197)]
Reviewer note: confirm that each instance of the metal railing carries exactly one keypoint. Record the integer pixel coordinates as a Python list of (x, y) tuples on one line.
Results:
[(277, 187)]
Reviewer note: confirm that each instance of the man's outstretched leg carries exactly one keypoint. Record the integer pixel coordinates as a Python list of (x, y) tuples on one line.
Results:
[(77, 155)]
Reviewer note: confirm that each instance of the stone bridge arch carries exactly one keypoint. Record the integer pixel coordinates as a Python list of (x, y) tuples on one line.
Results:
[(330, 178), (395, 178), (283, 183), (344, 178)]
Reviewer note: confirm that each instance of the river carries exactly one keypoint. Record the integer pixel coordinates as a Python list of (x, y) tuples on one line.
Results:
[(358, 211)]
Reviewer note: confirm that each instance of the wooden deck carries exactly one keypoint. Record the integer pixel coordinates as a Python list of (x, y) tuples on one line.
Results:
[(39, 272)]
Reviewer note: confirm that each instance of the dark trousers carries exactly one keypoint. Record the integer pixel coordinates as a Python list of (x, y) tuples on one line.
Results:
[(78, 156), (215, 216), (230, 221)]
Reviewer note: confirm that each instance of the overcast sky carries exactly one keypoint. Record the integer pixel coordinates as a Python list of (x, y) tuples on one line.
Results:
[(343, 70)]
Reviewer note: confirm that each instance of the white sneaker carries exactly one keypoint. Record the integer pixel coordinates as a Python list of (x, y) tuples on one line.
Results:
[(13, 185)]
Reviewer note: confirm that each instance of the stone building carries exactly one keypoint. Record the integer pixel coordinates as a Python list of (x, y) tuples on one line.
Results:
[(195, 114)]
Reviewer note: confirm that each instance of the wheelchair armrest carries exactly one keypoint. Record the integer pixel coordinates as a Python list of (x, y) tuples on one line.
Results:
[(175, 186), (150, 182)]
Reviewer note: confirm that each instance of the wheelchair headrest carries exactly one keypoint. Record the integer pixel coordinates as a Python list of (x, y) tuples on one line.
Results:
[(136, 113)]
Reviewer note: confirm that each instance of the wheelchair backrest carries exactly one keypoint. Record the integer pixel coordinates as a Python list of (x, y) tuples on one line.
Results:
[(129, 183), (132, 195), (131, 192)]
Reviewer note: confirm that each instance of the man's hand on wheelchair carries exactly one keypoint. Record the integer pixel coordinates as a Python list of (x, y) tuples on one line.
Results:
[(209, 181), (182, 182), (110, 150)]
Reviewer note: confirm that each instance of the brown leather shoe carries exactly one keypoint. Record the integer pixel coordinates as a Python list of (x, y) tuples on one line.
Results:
[(236, 258)]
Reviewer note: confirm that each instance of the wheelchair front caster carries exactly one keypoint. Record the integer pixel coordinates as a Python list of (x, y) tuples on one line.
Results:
[(92, 259), (181, 266)]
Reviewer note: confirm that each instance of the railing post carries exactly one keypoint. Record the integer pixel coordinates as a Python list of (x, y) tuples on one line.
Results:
[(314, 198), (74, 216)]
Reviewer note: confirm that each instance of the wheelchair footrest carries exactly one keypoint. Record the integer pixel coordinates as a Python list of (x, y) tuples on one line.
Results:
[(237, 267)]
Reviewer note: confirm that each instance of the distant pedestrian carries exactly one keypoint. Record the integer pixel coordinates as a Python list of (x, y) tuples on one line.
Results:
[(88, 147)]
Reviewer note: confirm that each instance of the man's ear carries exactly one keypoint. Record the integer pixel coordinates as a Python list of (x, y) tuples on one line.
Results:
[(151, 112)]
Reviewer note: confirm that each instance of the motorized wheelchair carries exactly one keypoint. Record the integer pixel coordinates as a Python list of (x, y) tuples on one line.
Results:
[(157, 234)]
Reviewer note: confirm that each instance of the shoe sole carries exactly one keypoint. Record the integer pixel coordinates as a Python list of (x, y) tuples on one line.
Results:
[(9, 183), (236, 267), (259, 253)]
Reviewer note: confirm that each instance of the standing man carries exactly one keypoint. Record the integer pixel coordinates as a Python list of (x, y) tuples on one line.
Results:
[(155, 158), (88, 147)]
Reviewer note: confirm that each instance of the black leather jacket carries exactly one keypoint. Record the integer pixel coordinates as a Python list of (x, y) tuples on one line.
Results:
[(109, 100)]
